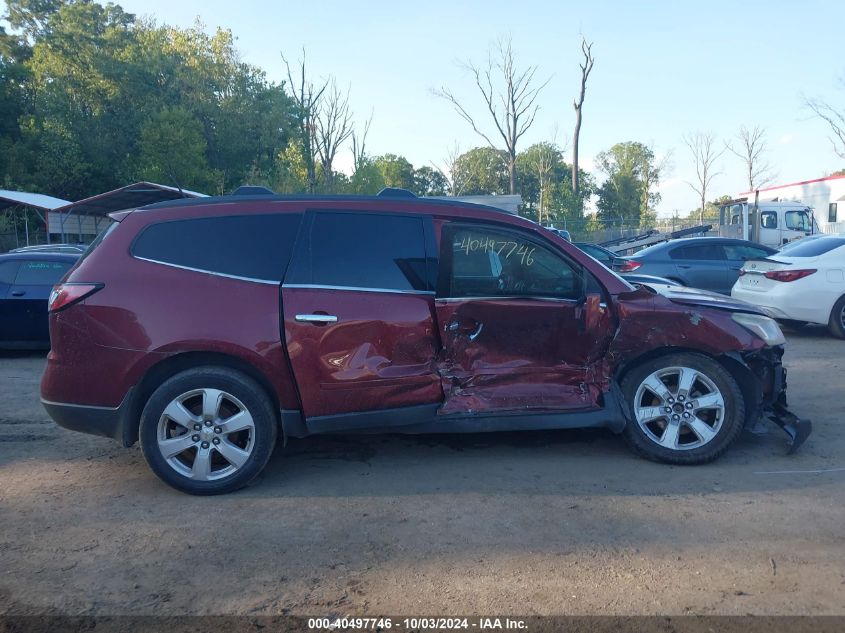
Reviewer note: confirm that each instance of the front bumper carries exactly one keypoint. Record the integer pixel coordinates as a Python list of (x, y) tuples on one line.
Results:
[(110, 422), (770, 375)]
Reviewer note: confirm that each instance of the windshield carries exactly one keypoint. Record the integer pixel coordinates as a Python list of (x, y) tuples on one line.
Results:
[(798, 220)]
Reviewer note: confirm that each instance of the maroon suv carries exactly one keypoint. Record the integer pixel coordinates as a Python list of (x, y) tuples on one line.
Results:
[(205, 328)]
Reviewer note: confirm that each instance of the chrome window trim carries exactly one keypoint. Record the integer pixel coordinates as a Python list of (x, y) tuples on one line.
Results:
[(358, 289), (210, 272)]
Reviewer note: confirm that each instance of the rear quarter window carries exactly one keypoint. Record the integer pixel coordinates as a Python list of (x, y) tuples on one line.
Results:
[(256, 247)]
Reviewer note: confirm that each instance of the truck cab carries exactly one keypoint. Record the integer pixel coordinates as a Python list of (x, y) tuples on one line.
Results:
[(768, 223)]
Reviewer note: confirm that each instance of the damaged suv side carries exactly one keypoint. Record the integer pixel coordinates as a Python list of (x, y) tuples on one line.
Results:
[(204, 328)]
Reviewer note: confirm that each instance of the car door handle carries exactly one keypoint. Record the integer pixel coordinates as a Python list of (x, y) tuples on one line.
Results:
[(18, 293), (684, 266), (316, 318)]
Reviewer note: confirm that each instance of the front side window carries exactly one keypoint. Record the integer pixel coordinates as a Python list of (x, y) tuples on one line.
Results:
[(256, 247), (482, 262), (40, 273), (798, 220), (368, 251), (831, 212)]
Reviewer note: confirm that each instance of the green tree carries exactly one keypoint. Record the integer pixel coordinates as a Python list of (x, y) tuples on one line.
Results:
[(628, 197), (429, 182), (396, 171), (172, 150), (367, 179), (482, 171)]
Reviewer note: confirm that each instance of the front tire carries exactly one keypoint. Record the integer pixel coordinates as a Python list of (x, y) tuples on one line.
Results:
[(836, 324), (684, 408), (208, 430)]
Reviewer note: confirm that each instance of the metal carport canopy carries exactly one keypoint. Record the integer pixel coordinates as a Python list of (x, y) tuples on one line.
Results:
[(99, 206), (26, 199)]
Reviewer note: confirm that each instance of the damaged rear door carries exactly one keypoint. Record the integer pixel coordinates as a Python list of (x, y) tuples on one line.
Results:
[(523, 326)]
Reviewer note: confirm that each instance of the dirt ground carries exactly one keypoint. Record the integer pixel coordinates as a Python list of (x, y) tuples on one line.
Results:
[(532, 523)]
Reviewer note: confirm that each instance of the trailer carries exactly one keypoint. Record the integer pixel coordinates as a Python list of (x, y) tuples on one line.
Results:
[(626, 245)]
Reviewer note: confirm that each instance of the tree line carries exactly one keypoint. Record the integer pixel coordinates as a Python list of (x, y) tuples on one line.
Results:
[(93, 97)]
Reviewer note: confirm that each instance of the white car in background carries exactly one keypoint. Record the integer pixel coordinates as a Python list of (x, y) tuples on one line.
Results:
[(804, 284)]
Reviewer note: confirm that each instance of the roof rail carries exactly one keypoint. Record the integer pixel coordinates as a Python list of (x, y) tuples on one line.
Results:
[(252, 190), (396, 192)]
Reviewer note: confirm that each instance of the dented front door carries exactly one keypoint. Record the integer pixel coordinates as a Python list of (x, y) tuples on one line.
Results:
[(523, 327)]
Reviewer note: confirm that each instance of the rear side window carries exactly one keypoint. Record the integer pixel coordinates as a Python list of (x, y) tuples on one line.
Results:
[(817, 247), (40, 273), (363, 250), (255, 247), (699, 251)]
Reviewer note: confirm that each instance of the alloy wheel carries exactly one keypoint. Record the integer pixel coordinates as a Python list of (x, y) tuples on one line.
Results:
[(679, 408), (206, 434)]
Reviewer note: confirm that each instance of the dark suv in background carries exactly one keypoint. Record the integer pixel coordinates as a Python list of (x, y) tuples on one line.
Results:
[(204, 328)]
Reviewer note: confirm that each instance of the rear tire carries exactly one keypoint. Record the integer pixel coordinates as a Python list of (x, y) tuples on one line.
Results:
[(836, 324), (684, 408), (208, 430)]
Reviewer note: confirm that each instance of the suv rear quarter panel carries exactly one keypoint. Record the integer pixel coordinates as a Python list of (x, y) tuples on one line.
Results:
[(148, 312)]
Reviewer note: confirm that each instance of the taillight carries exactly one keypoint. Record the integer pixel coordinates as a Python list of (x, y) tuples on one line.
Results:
[(65, 295), (628, 266), (789, 275)]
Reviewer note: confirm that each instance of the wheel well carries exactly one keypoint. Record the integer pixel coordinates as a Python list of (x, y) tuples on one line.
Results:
[(748, 383), (171, 366)]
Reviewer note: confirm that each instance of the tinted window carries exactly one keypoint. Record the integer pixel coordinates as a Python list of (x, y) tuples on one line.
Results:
[(798, 220), (817, 247), (8, 270), (360, 250), (769, 220), (495, 263), (831, 212), (745, 251), (253, 246), (43, 273), (699, 251)]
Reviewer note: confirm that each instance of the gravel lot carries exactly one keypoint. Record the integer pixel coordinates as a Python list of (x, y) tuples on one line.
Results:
[(532, 523)]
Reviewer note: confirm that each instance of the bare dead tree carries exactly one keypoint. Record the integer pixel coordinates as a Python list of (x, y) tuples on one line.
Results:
[(306, 95), (333, 127), (456, 185), (835, 120), (509, 95), (578, 104), (705, 153), (752, 148), (359, 144)]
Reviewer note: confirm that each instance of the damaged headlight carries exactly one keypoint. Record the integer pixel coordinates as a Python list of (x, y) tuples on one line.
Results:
[(762, 326)]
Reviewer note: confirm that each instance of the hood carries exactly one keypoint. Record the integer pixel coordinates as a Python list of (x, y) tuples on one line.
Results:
[(705, 298)]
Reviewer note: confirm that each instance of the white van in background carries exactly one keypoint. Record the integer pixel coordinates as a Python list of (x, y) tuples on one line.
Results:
[(777, 224)]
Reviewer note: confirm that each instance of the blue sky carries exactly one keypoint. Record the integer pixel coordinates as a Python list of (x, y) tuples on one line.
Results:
[(662, 69)]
